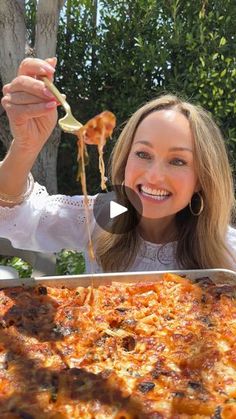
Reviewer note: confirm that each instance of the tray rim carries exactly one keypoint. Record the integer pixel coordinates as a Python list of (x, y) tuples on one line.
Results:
[(85, 280)]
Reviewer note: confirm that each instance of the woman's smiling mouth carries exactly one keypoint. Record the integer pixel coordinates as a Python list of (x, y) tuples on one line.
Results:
[(156, 194)]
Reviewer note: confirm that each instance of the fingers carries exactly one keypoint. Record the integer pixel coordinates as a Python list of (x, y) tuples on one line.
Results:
[(53, 63), (29, 80), (22, 113), (27, 92), (27, 85), (27, 96), (36, 67)]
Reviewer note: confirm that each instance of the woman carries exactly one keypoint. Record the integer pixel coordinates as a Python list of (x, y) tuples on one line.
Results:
[(170, 153)]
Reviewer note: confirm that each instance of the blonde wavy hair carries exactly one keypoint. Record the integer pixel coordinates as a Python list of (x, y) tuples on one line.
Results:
[(201, 239)]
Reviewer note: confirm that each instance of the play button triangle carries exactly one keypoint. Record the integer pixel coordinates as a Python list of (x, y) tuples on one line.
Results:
[(116, 209)]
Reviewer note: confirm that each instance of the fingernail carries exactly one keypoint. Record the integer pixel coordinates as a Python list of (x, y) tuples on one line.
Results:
[(47, 93), (54, 60), (51, 105), (47, 67)]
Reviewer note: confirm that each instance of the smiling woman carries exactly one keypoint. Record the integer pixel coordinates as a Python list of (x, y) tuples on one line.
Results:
[(161, 169), (170, 153)]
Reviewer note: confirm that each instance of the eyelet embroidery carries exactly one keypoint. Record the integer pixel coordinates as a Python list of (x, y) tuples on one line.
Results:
[(165, 254)]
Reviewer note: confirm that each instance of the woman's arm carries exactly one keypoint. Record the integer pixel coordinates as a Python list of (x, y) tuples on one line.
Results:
[(32, 114)]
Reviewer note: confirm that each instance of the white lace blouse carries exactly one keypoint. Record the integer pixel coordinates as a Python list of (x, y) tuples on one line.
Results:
[(47, 223)]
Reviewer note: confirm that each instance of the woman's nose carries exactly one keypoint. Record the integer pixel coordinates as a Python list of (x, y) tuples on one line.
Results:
[(156, 172)]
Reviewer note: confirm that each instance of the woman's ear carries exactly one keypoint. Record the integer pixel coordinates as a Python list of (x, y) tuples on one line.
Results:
[(198, 187)]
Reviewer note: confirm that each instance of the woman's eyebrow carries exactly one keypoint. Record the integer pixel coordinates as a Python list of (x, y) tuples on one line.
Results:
[(145, 143), (181, 149), (170, 149)]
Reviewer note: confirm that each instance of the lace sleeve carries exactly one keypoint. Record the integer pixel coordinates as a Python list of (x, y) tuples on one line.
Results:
[(47, 223)]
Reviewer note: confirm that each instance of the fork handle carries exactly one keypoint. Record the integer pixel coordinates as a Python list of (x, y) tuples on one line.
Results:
[(56, 93)]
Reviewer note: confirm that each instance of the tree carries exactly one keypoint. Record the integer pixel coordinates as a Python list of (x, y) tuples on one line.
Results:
[(18, 41)]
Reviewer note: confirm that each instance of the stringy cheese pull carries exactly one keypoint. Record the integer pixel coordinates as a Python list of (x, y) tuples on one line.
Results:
[(96, 132)]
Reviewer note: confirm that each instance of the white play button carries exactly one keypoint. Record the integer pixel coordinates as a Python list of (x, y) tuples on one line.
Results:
[(115, 213), (116, 209)]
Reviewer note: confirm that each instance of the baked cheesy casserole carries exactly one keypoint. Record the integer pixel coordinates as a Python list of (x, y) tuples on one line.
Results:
[(148, 350)]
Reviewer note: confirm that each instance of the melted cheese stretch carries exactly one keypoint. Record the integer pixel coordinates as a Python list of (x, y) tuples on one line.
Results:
[(148, 350), (95, 131), (82, 177)]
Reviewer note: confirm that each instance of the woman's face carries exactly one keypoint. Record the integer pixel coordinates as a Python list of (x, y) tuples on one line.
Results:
[(160, 167)]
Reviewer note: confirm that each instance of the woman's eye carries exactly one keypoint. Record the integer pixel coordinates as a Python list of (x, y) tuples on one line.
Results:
[(143, 155), (178, 162)]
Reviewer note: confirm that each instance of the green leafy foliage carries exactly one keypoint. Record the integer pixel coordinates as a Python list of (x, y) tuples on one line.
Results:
[(70, 263), (23, 268), (122, 54)]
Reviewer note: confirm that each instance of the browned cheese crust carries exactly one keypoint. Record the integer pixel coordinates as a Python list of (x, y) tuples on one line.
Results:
[(148, 350)]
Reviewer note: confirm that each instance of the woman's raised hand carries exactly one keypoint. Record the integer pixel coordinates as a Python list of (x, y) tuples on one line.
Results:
[(31, 108)]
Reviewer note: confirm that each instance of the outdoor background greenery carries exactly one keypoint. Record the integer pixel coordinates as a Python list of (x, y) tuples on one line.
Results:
[(138, 50), (116, 55), (68, 263)]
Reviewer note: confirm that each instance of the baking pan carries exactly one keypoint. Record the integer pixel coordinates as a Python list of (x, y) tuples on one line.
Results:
[(218, 276)]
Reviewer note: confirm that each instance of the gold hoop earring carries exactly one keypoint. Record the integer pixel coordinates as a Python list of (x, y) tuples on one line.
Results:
[(196, 214), (123, 188)]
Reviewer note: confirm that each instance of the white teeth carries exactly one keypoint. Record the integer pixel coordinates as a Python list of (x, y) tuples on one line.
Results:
[(157, 193)]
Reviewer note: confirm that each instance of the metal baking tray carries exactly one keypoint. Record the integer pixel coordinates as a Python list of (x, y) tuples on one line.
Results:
[(218, 276)]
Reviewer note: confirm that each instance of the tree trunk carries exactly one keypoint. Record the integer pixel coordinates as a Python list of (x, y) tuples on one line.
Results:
[(46, 27), (5, 133), (47, 20), (45, 167), (12, 37)]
